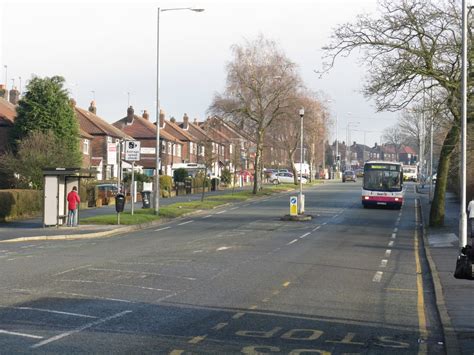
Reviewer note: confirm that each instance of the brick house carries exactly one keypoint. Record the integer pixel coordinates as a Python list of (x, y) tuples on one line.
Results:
[(104, 137), (143, 130), (201, 137), (7, 119), (189, 153)]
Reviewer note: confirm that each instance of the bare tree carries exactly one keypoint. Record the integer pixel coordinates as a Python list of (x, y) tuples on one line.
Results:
[(394, 136), (261, 83), (412, 47)]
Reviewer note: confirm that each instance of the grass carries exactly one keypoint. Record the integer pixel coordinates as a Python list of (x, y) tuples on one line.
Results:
[(180, 208)]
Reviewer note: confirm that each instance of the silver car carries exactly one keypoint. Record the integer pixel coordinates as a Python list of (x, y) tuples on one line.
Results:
[(285, 178)]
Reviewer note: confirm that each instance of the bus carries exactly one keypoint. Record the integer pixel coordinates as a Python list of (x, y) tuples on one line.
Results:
[(383, 184), (410, 173)]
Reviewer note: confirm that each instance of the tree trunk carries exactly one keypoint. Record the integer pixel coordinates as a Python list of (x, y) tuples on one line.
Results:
[(258, 162), (437, 206)]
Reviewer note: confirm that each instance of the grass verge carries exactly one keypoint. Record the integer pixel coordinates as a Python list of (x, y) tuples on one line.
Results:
[(180, 208)]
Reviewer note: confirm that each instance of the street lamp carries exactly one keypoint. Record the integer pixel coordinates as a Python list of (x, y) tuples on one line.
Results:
[(157, 147), (301, 202)]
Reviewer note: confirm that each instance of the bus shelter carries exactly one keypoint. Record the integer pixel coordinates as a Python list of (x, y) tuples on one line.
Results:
[(57, 184)]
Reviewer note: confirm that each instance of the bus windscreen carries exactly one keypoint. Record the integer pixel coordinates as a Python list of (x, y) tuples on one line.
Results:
[(382, 177)]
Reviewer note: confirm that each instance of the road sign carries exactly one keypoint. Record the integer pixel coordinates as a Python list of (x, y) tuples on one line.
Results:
[(293, 206), (132, 150)]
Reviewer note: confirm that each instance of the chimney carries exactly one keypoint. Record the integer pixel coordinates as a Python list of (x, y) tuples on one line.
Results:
[(195, 121), (355, 143), (130, 114), (14, 96), (72, 102), (173, 120), (93, 108), (185, 122), (3, 92), (375, 144), (145, 115), (162, 119)]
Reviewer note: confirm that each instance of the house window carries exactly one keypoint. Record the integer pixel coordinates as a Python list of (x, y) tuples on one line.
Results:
[(109, 139), (85, 147), (202, 151), (231, 148), (178, 148), (169, 148)]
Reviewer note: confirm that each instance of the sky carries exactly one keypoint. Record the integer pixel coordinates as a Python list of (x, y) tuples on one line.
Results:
[(106, 50)]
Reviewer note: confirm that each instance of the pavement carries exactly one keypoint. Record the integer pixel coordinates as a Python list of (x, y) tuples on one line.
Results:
[(31, 229), (454, 297)]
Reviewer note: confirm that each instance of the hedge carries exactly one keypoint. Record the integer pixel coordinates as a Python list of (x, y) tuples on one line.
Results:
[(16, 204)]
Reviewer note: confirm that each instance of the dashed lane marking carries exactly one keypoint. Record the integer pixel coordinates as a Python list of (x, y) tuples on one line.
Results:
[(276, 292), (219, 326), (182, 224), (387, 253), (395, 230), (209, 215), (176, 352), (233, 209), (238, 315), (96, 297), (305, 235), (390, 243), (383, 263), (162, 229), (394, 235), (378, 276), (293, 241), (315, 229), (80, 329), (142, 273), (20, 334), (286, 284), (116, 284), (221, 212), (253, 307), (73, 269)]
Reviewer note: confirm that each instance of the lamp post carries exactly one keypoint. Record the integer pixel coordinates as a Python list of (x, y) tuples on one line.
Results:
[(157, 147), (348, 141), (301, 198), (463, 217)]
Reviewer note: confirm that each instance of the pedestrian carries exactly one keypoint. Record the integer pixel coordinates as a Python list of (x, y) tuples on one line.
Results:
[(73, 200), (470, 209)]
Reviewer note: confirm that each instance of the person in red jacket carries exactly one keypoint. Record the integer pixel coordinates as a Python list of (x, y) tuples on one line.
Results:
[(72, 200)]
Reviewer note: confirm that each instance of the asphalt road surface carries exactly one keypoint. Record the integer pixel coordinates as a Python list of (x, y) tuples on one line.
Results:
[(233, 280)]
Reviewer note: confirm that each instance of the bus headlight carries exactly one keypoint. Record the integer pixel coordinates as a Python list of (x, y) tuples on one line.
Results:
[(396, 198), (366, 197)]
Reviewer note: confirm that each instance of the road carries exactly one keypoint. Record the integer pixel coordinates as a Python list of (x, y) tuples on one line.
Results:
[(234, 280)]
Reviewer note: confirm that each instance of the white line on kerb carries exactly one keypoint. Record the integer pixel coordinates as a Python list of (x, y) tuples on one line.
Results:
[(233, 208), (387, 253), (390, 243), (182, 224), (377, 276), (20, 334), (209, 215), (84, 327), (221, 212), (383, 263), (293, 241), (162, 229), (305, 235)]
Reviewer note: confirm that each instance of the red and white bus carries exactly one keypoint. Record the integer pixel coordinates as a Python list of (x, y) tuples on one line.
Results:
[(383, 184)]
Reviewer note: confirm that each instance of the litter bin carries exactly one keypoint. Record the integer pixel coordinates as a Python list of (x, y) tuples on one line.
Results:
[(146, 199), (119, 203)]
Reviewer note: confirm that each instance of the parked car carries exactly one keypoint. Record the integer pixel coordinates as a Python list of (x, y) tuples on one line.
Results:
[(349, 175), (359, 172), (105, 192), (285, 178)]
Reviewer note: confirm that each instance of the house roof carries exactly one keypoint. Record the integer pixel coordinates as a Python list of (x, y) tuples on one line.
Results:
[(141, 128), (7, 112), (178, 132), (96, 126), (197, 132), (215, 134), (407, 150), (84, 134)]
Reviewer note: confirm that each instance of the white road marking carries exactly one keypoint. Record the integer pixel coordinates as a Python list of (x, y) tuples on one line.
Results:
[(387, 253), (383, 263), (198, 251), (142, 272), (73, 269), (305, 235), (197, 340), (238, 315), (377, 276), (182, 224), (50, 311), (334, 216), (324, 223), (293, 241), (80, 329), (209, 215), (233, 208), (222, 248), (219, 326), (162, 229), (395, 230), (220, 212), (394, 235), (315, 229), (20, 334), (390, 243), (98, 297), (115, 284)]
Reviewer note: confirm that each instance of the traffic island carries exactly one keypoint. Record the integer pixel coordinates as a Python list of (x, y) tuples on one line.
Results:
[(297, 218)]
